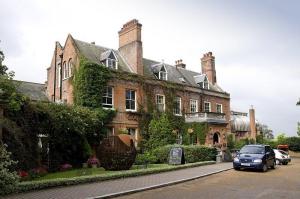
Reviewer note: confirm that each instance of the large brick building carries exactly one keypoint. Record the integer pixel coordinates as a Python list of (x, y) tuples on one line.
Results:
[(199, 98)]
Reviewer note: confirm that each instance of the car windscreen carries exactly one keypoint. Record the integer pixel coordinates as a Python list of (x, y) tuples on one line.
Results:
[(253, 150)]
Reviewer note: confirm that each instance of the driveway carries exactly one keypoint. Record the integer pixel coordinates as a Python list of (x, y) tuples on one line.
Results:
[(283, 182)]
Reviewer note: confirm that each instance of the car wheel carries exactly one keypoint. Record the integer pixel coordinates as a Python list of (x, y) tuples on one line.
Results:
[(284, 163), (265, 168), (277, 162), (273, 165), (237, 168)]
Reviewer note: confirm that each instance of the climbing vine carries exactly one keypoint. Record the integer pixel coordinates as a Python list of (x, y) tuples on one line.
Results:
[(197, 130), (89, 83)]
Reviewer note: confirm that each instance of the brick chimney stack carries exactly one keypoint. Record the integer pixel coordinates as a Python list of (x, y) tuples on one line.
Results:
[(179, 64), (252, 123), (130, 45), (208, 67)]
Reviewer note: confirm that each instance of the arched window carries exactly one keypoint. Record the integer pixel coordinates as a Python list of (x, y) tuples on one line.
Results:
[(70, 68), (65, 70), (216, 138)]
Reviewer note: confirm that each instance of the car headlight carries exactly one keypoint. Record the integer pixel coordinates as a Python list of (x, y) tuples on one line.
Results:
[(257, 160), (236, 159)]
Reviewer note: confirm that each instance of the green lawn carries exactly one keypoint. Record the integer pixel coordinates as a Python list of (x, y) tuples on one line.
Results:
[(90, 172)]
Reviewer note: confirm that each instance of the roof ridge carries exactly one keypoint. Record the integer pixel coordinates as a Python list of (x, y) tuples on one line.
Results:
[(27, 82), (106, 48)]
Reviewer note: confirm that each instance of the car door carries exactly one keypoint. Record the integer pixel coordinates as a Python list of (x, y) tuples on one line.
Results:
[(269, 155)]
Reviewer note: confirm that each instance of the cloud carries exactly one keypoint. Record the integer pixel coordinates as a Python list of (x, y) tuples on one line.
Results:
[(255, 43)]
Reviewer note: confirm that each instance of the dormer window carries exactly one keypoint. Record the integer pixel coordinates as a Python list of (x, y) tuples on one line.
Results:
[(109, 59), (202, 81), (111, 63), (163, 75)]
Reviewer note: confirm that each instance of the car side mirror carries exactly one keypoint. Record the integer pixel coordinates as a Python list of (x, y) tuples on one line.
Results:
[(268, 153)]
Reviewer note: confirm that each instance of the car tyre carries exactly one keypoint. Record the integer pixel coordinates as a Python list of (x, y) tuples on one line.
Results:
[(273, 166), (265, 168), (284, 163), (237, 168)]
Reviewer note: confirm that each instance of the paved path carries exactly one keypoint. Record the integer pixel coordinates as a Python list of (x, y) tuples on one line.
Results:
[(122, 185), (283, 182)]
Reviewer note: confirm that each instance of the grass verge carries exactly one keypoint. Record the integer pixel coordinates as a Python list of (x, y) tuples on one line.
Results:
[(49, 183)]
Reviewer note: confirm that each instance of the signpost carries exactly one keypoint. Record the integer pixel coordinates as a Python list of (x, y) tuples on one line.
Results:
[(176, 156)]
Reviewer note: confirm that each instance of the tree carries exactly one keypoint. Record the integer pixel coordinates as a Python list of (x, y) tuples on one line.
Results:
[(3, 68), (8, 178), (281, 138), (298, 131), (9, 96), (160, 132)]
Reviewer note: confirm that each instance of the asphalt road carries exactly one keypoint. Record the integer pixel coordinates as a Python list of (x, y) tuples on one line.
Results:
[(283, 182)]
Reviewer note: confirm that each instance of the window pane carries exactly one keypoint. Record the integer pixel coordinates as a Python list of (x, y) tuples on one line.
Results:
[(130, 99), (133, 95), (177, 106)]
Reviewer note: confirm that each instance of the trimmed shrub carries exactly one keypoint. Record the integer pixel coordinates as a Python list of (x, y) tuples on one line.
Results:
[(8, 178), (115, 155), (192, 153), (145, 158)]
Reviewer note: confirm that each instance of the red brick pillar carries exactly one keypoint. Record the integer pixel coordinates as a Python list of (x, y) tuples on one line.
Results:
[(252, 123)]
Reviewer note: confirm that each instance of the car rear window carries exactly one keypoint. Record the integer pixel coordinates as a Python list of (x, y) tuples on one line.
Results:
[(253, 150)]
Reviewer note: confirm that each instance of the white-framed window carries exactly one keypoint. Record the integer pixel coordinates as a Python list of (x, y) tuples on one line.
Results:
[(207, 107), (163, 75), (70, 68), (107, 97), (130, 100), (219, 108), (133, 133), (65, 70), (111, 63), (58, 75), (177, 106), (193, 106), (160, 103)]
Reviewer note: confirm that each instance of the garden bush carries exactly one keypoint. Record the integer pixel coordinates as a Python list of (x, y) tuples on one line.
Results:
[(145, 158), (115, 155), (8, 178), (192, 153)]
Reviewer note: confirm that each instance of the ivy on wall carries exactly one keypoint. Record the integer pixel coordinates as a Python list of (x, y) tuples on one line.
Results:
[(200, 131), (89, 83)]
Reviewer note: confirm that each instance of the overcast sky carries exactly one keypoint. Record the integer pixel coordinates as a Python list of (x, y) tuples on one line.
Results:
[(256, 43)]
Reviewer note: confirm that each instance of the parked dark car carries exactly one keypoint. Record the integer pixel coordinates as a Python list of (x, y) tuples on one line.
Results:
[(260, 157)]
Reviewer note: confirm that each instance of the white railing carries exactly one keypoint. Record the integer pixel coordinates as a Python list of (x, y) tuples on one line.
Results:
[(205, 117)]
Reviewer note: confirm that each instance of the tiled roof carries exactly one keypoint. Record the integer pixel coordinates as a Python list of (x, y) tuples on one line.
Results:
[(93, 53), (34, 91), (176, 73)]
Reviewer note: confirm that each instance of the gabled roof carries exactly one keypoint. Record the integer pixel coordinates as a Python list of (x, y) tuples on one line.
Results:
[(96, 53), (200, 78), (34, 91), (108, 54)]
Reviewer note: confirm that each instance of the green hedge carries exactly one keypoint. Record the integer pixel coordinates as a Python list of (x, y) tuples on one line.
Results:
[(192, 153), (37, 185)]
